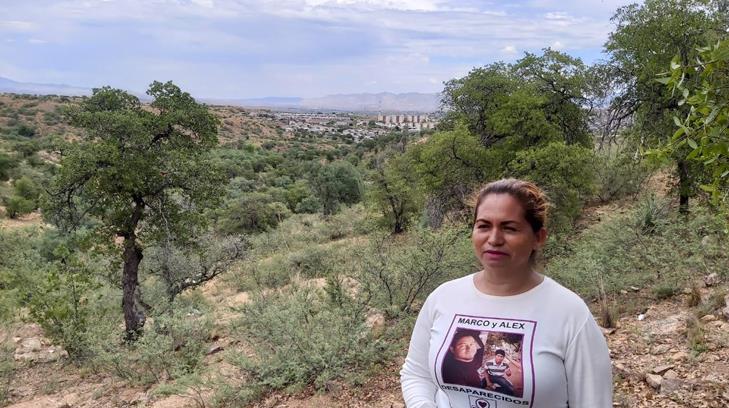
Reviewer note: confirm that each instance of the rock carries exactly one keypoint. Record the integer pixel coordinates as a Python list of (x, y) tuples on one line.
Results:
[(679, 356), (670, 374), (607, 332), (708, 241), (712, 279), (376, 323), (654, 380), (707, 318), (661, 369), (634, 289), (31, 344), (670, 385), (215, 349), (623, 292), (725, 312)]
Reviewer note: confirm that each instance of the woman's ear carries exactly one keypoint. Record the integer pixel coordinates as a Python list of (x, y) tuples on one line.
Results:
[(541, 237)]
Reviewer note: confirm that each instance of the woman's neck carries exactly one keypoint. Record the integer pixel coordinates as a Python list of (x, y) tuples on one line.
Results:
[(506, 284)]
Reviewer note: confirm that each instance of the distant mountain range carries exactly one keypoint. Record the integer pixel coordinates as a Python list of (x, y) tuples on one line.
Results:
[(364, 102), (10, 86)]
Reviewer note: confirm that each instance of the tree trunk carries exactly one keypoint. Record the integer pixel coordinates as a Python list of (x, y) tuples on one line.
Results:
[(133, 315), (684, 188)]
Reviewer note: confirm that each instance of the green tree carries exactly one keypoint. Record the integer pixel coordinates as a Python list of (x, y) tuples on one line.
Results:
[(7, 164), (703, 132), (141, 172), (395, 189), (642, 46), (337, 183), (565, 172)]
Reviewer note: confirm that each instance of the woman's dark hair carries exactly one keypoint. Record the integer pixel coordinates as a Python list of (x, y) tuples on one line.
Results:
[(532, 199)]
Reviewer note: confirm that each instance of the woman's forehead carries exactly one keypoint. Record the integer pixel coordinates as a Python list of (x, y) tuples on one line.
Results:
[(502, 207)]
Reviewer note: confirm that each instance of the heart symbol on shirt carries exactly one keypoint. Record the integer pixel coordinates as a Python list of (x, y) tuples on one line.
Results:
[(483, 404)]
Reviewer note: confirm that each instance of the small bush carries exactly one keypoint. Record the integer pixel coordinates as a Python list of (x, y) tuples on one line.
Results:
[(172, 346), (304, 338), (17, 206), (396, 277), (60, 304), (7, 368), (619, 174)]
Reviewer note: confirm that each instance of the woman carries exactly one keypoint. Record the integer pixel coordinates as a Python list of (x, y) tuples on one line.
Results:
[(563, 356)]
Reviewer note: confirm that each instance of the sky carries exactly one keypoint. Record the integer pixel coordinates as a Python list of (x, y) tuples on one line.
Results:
[(303, 48)]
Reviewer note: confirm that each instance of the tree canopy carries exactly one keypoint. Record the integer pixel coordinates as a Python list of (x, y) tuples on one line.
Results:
[(139, 172)]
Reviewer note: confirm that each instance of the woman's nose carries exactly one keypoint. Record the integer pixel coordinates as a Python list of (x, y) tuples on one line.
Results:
[(496, 237)]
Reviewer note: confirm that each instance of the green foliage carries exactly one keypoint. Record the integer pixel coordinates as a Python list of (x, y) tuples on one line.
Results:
[(538, 99), (141, 173), (7, 163), (395, 190), (701, 135), (16, 206), (565, 172), (337, 183), (250, 213), (302, 337), (658, 249), (618, 174), (397, 277), (7, 368), (173, 347), (643, 46), (60, 303)]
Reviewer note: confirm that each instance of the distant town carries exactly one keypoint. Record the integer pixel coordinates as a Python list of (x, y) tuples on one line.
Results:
[(359, 127)]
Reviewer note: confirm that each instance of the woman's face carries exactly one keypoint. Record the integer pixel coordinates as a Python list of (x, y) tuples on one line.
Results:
[(465, 349), (502, 238)]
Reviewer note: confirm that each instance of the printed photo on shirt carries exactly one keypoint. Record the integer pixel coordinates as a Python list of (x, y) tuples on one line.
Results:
[(485, 359), (491, 356)]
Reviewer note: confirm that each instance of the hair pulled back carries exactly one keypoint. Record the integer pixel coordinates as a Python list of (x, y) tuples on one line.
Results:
[(532, 199)]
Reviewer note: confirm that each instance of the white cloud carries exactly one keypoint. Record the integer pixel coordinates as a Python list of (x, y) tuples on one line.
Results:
[(17, 26), (509, 50), (294, 47)]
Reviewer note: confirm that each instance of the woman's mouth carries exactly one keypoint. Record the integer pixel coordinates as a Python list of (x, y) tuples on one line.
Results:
[(492, 254)]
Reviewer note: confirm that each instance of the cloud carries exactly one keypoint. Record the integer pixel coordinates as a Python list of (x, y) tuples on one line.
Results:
[(241, 48), (509, 50)]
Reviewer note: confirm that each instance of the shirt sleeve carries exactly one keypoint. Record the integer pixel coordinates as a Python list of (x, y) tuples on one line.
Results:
[(589, 373), (418, 389)]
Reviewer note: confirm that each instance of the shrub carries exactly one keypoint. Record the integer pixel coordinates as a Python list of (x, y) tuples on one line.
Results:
[(7, 368), (645, 247), (16, 206), (303, 338), (7, 163), (396, 277), (173, 347), (60, 304), (618, 175), (251, 212), (337, 183)]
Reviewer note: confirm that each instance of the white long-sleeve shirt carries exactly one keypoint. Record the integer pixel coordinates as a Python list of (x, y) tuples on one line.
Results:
[(557, 355)]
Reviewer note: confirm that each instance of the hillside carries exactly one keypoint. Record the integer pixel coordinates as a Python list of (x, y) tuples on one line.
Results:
[(665, 353)]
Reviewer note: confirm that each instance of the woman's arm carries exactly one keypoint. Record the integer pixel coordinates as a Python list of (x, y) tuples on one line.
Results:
[(589, 373), (418, 389)]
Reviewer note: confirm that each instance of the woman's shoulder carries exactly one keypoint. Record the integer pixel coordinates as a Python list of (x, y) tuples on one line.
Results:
[(564, 299), (459, 285)]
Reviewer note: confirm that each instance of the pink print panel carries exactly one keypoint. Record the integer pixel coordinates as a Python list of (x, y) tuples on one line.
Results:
[(487, 362)]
